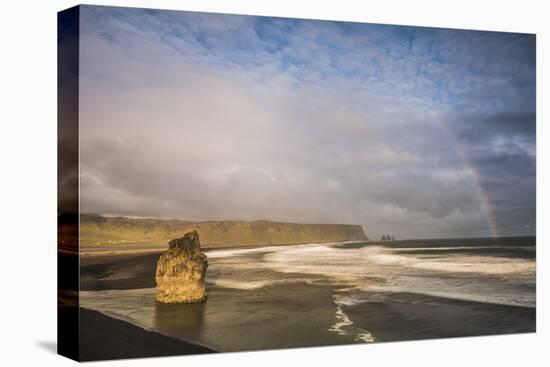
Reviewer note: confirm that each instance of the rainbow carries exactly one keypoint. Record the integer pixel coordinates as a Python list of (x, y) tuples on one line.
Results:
[(486, 205)]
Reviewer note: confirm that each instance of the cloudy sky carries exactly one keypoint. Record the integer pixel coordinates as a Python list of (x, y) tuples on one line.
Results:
[(417, 132)]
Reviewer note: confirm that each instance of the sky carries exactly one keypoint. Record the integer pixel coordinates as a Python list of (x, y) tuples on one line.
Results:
[(416, 132)]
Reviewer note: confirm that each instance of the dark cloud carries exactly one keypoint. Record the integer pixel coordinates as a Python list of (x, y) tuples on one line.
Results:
[(482, 128), (403, 130)]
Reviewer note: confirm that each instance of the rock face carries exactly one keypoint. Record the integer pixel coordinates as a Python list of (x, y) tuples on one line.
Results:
[(181, 271), (95, 230)]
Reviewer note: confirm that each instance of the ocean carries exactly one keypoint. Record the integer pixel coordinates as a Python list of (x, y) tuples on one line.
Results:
[(339, 293)]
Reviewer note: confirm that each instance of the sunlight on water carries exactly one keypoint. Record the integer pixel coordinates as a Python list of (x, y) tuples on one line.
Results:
[(458, 275), (355, 274)]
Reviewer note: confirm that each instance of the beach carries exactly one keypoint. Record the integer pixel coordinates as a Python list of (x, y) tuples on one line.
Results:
[(326, 294), (407, 316), (104, 337)]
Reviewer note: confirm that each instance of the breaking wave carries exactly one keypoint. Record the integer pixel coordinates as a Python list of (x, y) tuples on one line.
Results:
[(457, 275)]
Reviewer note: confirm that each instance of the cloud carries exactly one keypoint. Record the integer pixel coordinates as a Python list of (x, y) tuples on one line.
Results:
[(206, 116)]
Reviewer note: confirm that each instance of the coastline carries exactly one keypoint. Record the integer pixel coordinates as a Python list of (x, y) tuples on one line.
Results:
[(411, 316), (253, 304), (397, 317), (152, 249), (103, 337), (130, 249)]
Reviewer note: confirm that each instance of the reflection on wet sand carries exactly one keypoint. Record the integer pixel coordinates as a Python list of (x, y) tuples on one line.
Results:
[(173, 319)]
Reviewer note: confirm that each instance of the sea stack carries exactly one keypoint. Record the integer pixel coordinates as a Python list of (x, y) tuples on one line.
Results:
[(181, 271)]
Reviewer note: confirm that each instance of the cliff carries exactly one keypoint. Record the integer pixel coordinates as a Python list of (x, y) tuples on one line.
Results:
[(98, 230)]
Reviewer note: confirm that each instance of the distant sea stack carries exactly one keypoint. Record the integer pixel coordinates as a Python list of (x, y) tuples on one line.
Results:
[(181, 271), (98, 230)]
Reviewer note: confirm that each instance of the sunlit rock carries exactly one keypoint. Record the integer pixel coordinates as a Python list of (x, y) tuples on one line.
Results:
[(181, 271)]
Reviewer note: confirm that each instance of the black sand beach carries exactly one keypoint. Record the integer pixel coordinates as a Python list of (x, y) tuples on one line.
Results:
[(123, 271), (104, 337), (253, 306), (295, 314), (405, 316)]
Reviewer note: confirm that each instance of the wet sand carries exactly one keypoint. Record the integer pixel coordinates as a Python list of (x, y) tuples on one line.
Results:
[(235, 320), (406, 316), (297, 310), (290, 314), (118, 271), (294, 314), (103, 337)]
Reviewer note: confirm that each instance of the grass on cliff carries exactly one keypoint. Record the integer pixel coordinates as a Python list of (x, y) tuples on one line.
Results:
[(96, 230)]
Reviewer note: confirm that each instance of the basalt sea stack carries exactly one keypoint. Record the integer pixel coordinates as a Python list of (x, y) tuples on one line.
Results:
[(181, 271)]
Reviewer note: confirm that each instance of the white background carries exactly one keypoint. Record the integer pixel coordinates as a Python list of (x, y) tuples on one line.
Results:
[(28, 181)]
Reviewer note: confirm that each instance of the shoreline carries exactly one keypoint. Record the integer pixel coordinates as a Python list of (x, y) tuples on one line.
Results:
[(255, 307), (398, 317), (104, 337), (412, 316), (91, 251), (126, 249)]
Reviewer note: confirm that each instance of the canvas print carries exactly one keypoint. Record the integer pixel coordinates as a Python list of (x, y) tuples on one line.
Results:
[(235, 183)]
